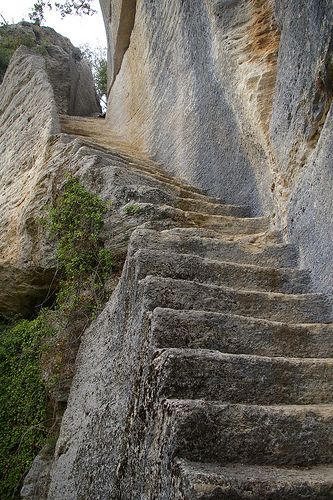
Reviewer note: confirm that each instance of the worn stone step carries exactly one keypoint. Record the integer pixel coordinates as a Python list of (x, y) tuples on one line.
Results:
[(148, 194), (195, 268), (197, 242), (241, 378), (230, 225), (136, 162), (198, 481), (181, 294), (206, 207), (240, 334), (251, 434)]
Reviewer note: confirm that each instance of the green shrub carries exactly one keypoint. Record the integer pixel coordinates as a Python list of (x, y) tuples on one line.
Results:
[(23, 426), (8, 45), (132, 209), (75, 222)]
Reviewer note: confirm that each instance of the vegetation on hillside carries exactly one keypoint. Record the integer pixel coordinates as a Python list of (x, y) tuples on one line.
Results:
[(98, 63)]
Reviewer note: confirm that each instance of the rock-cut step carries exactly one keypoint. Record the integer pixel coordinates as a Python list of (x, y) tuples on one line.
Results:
[(181, 294), (234, 334), (203, 270), (226, 433), (241, 378), (207, 207), (237, 481), (202, 243)]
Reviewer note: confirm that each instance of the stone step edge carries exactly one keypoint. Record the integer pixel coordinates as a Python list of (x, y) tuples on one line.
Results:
[(321, 409), (152, 171), (231, 333), (213, 218), (223, 263), (245, 479), (211, 204), (224, 247), (246, 318), (177, 293), (211, 354), (208, 235)]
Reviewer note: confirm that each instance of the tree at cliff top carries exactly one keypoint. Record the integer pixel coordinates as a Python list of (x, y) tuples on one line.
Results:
[(65, 8)]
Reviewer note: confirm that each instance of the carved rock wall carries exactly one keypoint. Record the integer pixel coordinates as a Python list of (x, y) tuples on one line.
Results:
[(233, 96), (35, 89), (302, 131), (197, 105)]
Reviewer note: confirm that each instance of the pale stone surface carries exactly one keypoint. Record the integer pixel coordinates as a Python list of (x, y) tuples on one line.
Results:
[(171, 100), (103, 453), (201, 88), (68, 73), (153, 390), (302, 129)]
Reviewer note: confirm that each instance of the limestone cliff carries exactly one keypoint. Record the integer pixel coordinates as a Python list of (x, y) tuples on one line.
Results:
[(208, 375), (36, 88), (233, 96)]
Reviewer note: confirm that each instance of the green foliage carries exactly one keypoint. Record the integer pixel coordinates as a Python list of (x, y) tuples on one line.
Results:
[(47, 345), (132, 209), (75, 222), (8, 45), (22, 400), (98, 63), (66, 7), (101, 78)]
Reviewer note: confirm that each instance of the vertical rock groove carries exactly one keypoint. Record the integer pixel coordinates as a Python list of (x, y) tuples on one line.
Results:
[(126, 23)]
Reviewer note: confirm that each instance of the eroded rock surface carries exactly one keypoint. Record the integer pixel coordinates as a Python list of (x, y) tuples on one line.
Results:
[(233, 96), (212, 362)]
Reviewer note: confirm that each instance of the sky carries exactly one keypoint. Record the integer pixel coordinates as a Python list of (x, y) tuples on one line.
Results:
[(80, 30)]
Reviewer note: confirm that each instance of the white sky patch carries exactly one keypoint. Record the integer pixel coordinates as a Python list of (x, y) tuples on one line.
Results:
[(79, 29)]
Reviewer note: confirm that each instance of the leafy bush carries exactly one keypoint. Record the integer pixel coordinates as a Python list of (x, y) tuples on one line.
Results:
[(75, 222), (98, 63), (132, 209), (8, 44), (23, 426)]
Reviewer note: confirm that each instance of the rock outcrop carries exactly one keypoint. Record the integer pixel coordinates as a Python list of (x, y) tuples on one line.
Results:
[(35, 89), (208, 374)]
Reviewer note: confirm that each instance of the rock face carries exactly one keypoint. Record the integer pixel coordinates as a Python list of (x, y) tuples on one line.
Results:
[(208, 375), (235, 97), (35, 89), (301, 130)]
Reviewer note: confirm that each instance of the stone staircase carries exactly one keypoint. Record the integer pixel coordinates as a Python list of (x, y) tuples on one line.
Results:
[(235, 400), (228, 357)]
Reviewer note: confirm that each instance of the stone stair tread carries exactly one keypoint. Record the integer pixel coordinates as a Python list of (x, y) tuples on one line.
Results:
[(242, 378), (207, 244), (212, 431), (209, 207), (204, 481), (235, 334), (141, 164), (227, 224), (207, 270), (182, 294)]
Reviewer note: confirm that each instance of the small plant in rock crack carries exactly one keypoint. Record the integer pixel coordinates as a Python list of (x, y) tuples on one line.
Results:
[(132, 209), (75, 222)]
